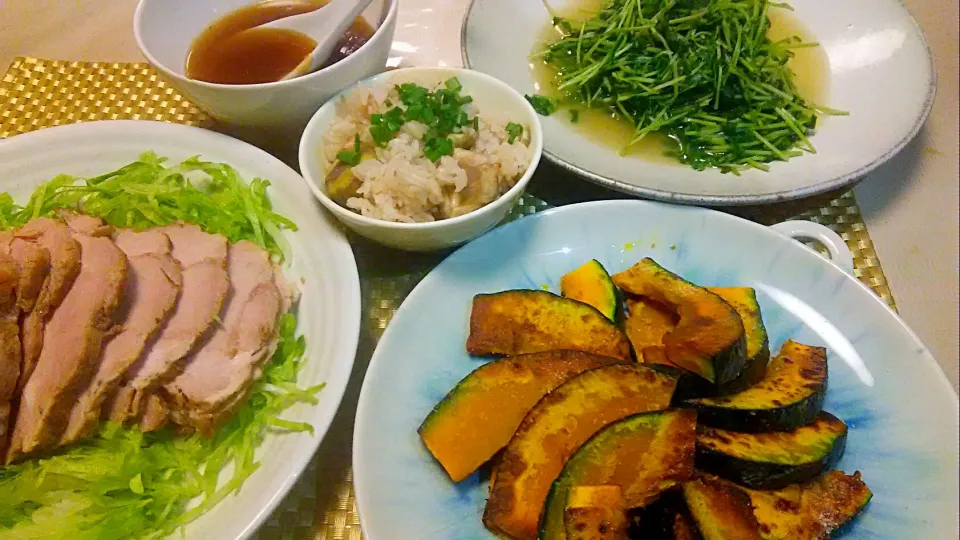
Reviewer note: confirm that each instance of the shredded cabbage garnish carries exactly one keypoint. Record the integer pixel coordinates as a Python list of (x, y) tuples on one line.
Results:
[(146, 194), (122, 483)]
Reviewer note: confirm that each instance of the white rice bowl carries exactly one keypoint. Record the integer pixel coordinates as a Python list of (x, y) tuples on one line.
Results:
[(402, 184)]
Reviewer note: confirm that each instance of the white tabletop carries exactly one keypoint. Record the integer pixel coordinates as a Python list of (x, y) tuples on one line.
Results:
[(910, 205)]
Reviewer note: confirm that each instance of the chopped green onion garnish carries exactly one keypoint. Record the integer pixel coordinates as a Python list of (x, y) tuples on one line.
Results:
[(351, 158), (437, 147), (440, 110), (514, 131)]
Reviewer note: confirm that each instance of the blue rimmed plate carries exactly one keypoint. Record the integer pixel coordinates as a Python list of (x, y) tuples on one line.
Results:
[(902, 412)]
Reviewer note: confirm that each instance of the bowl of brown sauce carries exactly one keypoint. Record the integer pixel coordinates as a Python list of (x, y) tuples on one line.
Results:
[(212, 52)]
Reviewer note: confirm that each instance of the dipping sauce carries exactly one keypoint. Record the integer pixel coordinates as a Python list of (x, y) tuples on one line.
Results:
[(231, 51)]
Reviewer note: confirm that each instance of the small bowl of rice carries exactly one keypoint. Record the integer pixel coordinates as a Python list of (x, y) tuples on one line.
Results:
[(422, 159)]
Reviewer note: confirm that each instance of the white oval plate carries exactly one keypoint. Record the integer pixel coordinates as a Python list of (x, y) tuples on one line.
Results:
[(329, 308), (901, 411), (881, 72)]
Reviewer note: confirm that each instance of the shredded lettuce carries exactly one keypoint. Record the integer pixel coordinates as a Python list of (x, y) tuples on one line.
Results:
[(146, 194), (122, 483)]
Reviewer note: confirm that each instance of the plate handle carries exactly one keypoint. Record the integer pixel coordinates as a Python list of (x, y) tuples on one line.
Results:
[(836, 248)]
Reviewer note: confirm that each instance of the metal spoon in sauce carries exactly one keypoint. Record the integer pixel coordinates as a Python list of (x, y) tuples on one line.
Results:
[(325, 25)]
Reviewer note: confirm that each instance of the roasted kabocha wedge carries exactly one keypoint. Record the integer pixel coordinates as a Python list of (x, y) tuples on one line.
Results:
[(773, 459), (554, 429), (646, 324), (528, 321), (665, 518), (720, 510), (683, 528), (480, 414), (709, 339), (591, 284), (810, 511), (790, 395), (595, 513), (644, 454), (744, 301)]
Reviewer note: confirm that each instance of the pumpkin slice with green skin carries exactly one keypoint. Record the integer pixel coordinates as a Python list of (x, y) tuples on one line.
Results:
[(689, 385), (720, 510), (709, 339), (528, 321), (591, 284), (646, 324), (644, 454), (744, 301), (662, 519), (830, 502), (773, 459), (812, 510), (480, 414), (652, 321), (683, 528), (554, 429), (808, 511), (595, 513), (790, 395)]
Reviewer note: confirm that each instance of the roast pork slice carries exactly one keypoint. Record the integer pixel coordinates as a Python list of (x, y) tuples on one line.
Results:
[(84, 224), (9, 342), (151, 291), (33, 261), (33, 266), (64, 254), (221, 371), (205, 283), (71, 346), (155, 414)]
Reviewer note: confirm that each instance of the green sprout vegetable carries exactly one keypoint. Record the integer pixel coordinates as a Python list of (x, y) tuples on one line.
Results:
[(514, 132), (543, 105), (122, 483), (702, 72)]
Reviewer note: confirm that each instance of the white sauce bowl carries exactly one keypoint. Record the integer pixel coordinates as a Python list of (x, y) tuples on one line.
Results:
[(165, 30)]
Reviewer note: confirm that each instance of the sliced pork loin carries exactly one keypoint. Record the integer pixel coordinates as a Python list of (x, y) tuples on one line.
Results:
[(151, 291), (202, 257), (155, 415), (9, 342), (71, 339), (219, 374), (33, 265), (24, 266), (64, 255)]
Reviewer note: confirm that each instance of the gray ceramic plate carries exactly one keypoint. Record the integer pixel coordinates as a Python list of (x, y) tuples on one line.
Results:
[(878, 67)]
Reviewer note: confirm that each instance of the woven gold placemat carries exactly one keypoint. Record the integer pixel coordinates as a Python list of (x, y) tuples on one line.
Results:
[(36, 94)]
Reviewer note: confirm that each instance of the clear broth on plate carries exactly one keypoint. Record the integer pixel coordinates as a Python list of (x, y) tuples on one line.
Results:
[(809, 65), (232, 51)]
